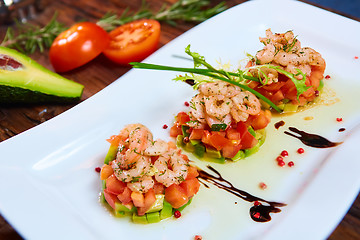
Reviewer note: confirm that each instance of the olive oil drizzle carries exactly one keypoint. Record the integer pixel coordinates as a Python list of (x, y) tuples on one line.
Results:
[(259, 213)]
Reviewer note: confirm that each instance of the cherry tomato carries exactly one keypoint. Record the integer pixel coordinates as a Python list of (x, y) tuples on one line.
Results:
[(134, 41), (77, 46)]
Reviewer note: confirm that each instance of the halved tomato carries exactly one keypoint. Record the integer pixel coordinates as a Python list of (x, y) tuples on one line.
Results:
[(78, 45), (134, 41)]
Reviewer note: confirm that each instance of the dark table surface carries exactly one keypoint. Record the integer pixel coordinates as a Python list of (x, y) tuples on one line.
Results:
[(101, 72)]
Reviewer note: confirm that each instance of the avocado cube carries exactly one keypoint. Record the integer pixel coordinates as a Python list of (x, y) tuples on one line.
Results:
[(111, 154), (139, 219), (179, 141), (185, 130), (240, 155), (158, 204), (166, 211), (213, 153), (153, 217), (122, 210), (199, 150), (289, 108)]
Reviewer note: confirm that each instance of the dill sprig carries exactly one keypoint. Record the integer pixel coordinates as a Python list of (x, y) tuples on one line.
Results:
[(31, 37), (184, 10)]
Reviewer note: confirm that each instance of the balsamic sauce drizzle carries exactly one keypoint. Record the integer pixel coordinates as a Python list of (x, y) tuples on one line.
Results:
[(311, 140), (259, 212)]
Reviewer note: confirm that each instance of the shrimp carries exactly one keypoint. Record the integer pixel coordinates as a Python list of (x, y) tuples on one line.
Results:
[(238, 115), (172, 168), (224, 120), (247, 102), (133, 171), (219, 88), (156, 148), (198, 108), (217, 106), (142, 184)]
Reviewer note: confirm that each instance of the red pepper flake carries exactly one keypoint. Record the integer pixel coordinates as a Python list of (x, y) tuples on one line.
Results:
[(186, 104), (300, 150), (281, 163), (165, 126), (257, 203), (284, 153), (356, 57), (339, 119), (97, 169), (177, 214), (198, 237), (256, 215), (262, 185), (291, 164), (327, 77)]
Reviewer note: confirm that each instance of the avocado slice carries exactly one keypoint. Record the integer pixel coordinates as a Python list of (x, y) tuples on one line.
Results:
[(22, 80)]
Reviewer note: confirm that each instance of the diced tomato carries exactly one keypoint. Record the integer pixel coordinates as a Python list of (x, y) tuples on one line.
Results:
[(196, 134), (182, 118), (260, 120), (248, 140), (114, 186), (106, 171), (110, 198), (192, 172), (158, 188), (241, 128), (149, 200), (233, 134), (176, 196), (138, 199), (206, 137), (114, 140), (218, 141), (125, 196), (277, 96), (230, 150), (175, 130), (190, 186)]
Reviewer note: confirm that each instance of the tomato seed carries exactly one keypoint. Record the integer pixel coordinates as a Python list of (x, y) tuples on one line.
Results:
[(291, 164), (300, 150), (177, 214), (97, 169), (165, 126), (284, 153)]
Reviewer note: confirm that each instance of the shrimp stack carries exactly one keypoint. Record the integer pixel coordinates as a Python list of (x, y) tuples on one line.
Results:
[(284, 50), (221, 103), (144, 167)]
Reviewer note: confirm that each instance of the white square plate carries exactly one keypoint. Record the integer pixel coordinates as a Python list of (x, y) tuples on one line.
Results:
[(49, 189)]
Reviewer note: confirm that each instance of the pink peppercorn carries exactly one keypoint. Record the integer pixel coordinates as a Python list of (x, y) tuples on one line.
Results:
[(186, 104), (165, 126), (327, 77), (262, 185), (279, 158), (97, 169), (284, 153), (300, 150), (291, 164), (177, 214), (198, 237), (281, 163), (339, 119)]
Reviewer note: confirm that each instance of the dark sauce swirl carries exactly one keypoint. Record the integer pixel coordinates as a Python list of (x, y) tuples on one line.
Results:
[(311, 140), (259, 212)]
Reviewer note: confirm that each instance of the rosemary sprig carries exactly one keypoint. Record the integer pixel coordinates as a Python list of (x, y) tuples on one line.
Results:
[(31, 37), (184, 10), (209, 71)]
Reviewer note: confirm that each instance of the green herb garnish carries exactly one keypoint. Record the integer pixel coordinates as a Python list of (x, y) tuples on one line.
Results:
[(210, 71), (218, 127), (31, 37)]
